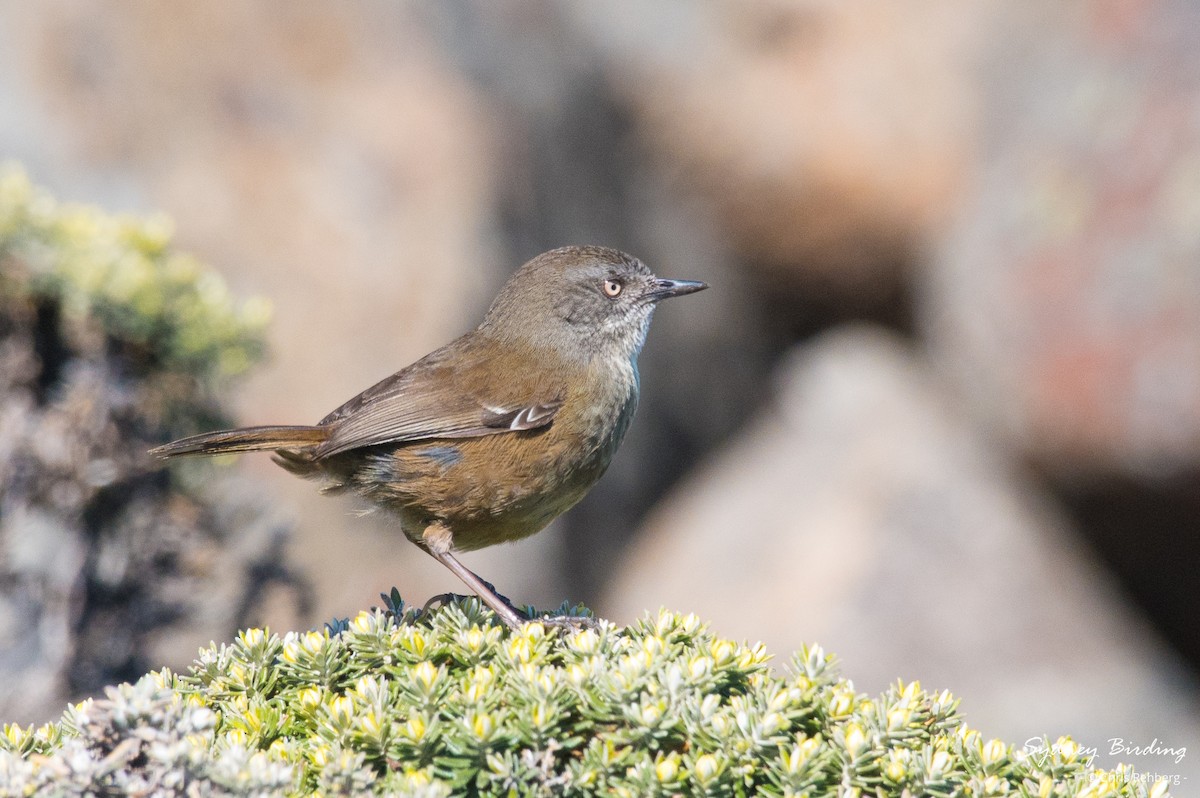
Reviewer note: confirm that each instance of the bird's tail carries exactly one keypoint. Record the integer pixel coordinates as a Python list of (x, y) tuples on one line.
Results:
[(247, 439)]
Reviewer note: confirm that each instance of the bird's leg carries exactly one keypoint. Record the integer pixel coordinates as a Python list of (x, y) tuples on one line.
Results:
[(489, 597), (436, 539)]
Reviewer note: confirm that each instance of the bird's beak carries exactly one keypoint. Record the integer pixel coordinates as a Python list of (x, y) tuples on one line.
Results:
[(668, 288)]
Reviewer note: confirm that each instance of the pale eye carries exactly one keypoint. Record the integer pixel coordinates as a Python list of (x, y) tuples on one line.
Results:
[(612, 288)]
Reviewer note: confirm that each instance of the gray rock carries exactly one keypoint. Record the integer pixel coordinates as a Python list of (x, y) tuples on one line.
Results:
[(861, 512)]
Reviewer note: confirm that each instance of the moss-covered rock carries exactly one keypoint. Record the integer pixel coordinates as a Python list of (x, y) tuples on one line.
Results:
[(451, 703), (112, 341)]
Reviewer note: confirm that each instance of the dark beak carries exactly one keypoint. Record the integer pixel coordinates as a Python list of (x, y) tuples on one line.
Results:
[(668, 288)]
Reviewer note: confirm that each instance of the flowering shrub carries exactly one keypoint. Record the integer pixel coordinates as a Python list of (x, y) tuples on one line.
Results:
[(449, 702)]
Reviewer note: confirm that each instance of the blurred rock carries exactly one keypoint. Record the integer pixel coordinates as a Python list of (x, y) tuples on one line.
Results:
[(830, 137), (1065, 300), (861, 512), (326, 159)]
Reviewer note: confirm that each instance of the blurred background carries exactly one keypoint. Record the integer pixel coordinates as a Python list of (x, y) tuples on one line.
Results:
[(940, 411)]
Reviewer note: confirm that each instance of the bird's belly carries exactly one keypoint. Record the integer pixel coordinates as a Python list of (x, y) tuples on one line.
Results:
[(486, 490)]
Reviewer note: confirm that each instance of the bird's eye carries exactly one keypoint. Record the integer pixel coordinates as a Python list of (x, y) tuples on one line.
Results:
[(612, 288)]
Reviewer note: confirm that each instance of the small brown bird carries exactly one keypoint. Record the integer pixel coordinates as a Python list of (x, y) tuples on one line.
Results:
[(491, 437)]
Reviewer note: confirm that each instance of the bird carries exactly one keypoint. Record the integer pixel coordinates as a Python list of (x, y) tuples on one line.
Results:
[(491, 437)]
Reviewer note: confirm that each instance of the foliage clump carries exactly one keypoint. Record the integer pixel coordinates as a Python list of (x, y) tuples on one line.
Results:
[(449, 703), (116, 280)]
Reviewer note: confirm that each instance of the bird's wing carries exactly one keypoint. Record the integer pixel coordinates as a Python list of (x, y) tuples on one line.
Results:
[(455, 392)]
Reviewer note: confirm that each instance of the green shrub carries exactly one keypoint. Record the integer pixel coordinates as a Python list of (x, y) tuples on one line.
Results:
[(450, 703)]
